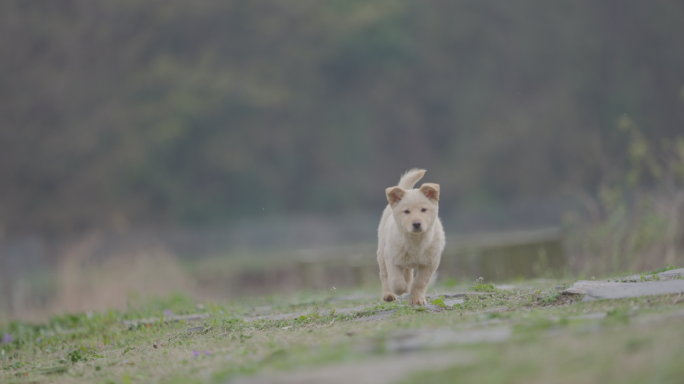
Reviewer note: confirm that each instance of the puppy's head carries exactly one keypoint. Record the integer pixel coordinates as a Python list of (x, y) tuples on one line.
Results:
[(415, 210)]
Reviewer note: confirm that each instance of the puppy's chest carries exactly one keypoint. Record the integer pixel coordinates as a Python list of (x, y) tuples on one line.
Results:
[(410, 256)]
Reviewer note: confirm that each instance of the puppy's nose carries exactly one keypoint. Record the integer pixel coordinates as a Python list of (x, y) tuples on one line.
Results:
[(416, 225)]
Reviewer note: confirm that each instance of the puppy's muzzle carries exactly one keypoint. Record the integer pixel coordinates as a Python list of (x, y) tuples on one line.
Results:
[(417, 227)]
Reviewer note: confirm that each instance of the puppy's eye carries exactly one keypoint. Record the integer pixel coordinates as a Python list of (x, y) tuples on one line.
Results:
[(423, 210), (407, 211)]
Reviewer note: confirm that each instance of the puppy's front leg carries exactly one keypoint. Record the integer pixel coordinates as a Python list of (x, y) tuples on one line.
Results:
[(420, 284), (387, 293), (408, 275), (396, 279)]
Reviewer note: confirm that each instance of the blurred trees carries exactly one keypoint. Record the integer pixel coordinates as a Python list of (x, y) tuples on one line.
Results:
[(168, 112)]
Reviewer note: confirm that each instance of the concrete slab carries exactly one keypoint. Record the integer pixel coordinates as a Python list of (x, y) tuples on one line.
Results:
[(626, 290), (581, 287), (667, 275), (672, 274)]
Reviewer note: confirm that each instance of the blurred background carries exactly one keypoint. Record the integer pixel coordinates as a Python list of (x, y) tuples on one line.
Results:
[(222, 148)]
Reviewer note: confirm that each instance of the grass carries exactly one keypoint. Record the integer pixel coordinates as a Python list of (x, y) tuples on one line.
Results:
[(551, 342), (614, 354), (663, 269)]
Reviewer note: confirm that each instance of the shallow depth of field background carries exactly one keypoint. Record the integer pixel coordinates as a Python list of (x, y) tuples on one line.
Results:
[(213, 148)]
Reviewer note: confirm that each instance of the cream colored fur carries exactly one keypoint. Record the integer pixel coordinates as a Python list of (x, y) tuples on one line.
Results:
[(410, 237)]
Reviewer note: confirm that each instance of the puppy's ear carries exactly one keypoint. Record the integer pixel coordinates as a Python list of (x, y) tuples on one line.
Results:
[(394, 195), (431, 191)]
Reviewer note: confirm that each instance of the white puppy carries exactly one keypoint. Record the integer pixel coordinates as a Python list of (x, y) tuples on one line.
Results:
[(410, 236)]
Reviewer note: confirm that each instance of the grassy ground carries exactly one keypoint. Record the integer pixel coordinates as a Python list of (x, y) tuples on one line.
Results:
[(554, 338)]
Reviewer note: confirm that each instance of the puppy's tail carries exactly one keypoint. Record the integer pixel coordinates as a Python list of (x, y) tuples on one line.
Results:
[(410, 178)]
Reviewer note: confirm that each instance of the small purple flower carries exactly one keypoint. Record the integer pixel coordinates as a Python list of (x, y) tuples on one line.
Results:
[(195, 353), (207, 353), (167, 312), (38, 340), (7, 339)]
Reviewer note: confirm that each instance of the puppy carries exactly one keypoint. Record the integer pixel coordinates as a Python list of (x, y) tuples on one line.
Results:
[(410, 236)]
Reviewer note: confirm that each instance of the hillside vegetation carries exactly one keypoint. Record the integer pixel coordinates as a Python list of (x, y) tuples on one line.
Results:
[(175, 112)]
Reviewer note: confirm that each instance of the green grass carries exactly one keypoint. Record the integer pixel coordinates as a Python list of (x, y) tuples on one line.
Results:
[(549, 342), (615, 349), (663, 269)]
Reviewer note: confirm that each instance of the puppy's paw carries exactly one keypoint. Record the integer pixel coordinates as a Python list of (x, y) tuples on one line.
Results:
[(417, 300), (389, 296)]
